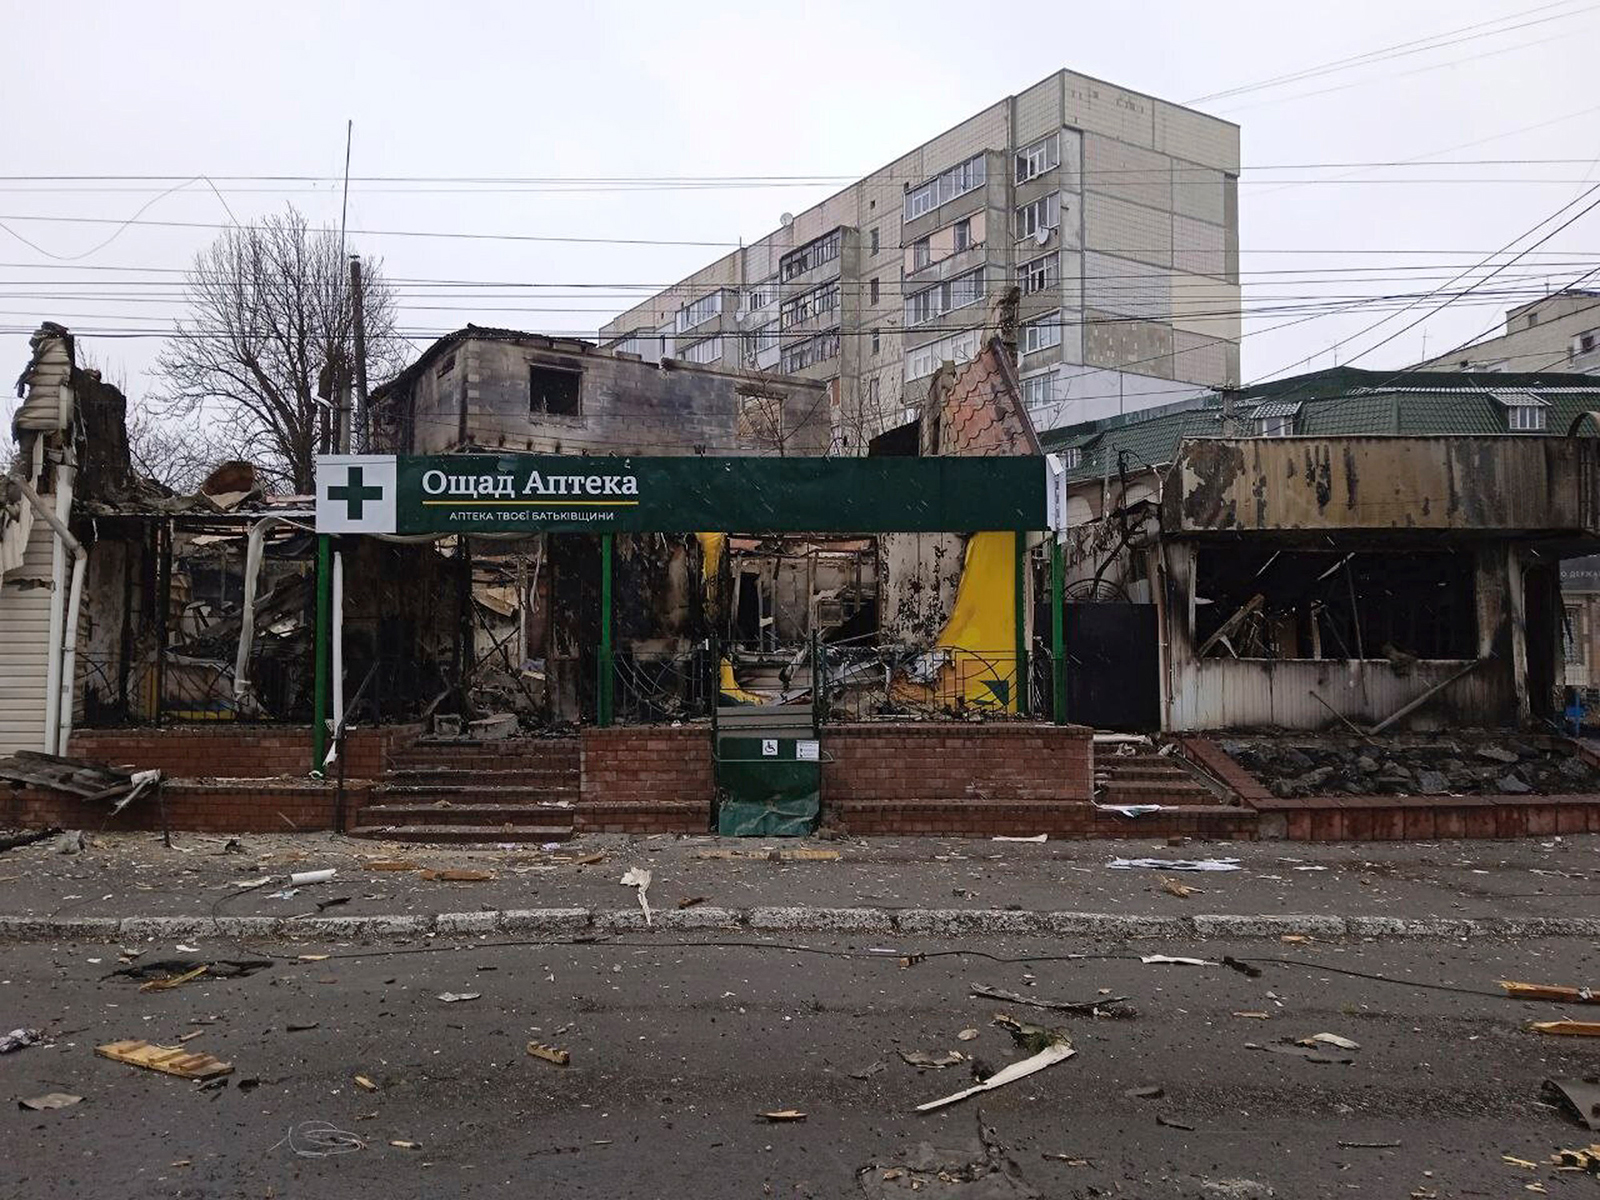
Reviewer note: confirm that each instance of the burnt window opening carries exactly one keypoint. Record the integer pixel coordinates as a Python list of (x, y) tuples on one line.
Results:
[(1303, 604), (554, 391), (445, 367)]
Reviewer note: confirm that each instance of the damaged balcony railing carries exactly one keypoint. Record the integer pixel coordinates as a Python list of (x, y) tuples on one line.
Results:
[(863, 680)]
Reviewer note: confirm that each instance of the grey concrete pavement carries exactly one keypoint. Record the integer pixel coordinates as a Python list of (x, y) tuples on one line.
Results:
[(921, 886), (677, 1049)]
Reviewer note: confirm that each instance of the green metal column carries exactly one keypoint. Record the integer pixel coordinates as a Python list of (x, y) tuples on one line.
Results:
[(319, 715), (1058, 641), (1019, 681), (607, 682)]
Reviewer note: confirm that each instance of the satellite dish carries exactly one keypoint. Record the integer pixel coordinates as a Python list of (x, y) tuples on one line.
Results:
[(786, 220), (1041, 235)]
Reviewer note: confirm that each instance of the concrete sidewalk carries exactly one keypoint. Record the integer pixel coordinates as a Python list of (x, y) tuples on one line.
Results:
[(130, 885)]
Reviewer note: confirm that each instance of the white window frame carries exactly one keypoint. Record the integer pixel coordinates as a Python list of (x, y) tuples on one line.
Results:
[(1035, 159), (1043, 213), (1032, 384), (1041, 333), (1586, 342), (964, 177), (1045, 267), (1527, 418), (924, 360), (706, 350), (811, 351), (809, 257), (959, 291), (1071, 457), (699, 311), (1275, 427)]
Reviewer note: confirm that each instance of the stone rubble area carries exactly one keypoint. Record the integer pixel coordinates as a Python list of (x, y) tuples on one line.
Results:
[(1462, 763)]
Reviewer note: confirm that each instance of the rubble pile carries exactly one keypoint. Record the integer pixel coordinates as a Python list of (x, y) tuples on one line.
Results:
[(1478, 764)]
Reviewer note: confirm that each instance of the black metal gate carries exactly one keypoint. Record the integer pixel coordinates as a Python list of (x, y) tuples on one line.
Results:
[(1112, 667)]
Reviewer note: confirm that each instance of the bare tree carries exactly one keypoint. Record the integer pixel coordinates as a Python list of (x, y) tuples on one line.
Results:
[(270, 332), (178, 455)]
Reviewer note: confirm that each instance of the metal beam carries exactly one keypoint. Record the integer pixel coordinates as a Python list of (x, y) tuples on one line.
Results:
[(319, 714)]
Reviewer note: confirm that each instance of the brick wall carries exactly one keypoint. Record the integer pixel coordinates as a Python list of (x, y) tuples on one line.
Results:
[(645, 779), (232, 751), (957, 761), (236, 806)]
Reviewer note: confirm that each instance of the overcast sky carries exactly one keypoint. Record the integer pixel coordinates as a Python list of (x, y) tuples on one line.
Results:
[(819, 90)]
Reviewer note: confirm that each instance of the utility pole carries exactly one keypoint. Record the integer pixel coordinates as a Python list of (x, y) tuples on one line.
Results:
[(358, 306)]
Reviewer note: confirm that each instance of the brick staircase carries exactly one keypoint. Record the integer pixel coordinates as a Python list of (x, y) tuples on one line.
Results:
[(518, 790), (1149, 778)]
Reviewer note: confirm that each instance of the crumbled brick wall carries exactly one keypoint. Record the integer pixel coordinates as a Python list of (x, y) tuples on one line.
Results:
[(203, 806), (957, 761), (231, 751)]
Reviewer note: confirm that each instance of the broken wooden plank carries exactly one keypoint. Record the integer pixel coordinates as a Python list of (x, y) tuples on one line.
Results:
[(1231, 624), (169, 1060), (550, 1054), (1567, 1028), (395, 864), (1549, 991), (456, 876), (172, 981)]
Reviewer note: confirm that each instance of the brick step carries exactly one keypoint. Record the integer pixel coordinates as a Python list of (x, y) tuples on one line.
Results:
[(458, 834), (515, 752), (466, 814), (1025, 818), (481, 776), (643, 816), (1162, 770), (1186, 785), (423, 793)]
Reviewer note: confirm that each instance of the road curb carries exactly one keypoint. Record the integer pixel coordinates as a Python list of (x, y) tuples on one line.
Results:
[(558, 923)]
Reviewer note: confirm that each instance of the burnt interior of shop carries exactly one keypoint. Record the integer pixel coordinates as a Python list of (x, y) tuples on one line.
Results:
[(1261, 602)]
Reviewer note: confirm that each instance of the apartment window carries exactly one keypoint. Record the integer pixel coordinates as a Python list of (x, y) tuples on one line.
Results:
[(1038, 390), (1038, 274), (1585, 342), (872, 292), (1526, 418), (1043, 214), (941, 189), (700, 311), (1269, 427), (810, 305), (553, 391), (875, 341), (810, 256), (448, 365), (707, 351), (764, 338), (872, 238), (813, 350), (962, 234), (1040, 334), (1035, 160), (1072, 457), (945, 297), (760, 296), (921, 253), (1533, 319), (925, 360)]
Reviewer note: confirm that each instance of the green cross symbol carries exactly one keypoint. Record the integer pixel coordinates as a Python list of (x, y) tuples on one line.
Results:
[(354, 494)]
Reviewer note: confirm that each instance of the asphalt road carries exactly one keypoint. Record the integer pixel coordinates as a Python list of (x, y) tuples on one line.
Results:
[(676, 1049)]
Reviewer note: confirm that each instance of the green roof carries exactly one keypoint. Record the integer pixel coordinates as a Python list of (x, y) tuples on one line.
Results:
[(1341, 402)]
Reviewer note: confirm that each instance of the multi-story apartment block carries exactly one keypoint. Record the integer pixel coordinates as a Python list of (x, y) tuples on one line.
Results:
[(1113, 215), (1559, 332)]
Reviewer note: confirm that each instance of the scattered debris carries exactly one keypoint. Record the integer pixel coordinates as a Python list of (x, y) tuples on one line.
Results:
[(795, 854), (307, 878), (1068, 1159), (1145, 1093), (365, 1084), (169, 1060), (172, 981), (1075, 1006), (456, 876), (1038, 837), (1546, 991), (868, 1072), (172, 972), (18, 1038), (1514, 1161), (1296, 939), (48, 1101), (1057, 1051), (1580, 1098), (296, 1027), (73, 841), (28, 839), (404, 1145), (784, 1114), (981, 1169), (458, 997), (1316, 1054), (1329, 1039), (92, 782), (319, 1139), (1174, 864), (550, 1054), (1260, 1016), (639, 877), (1240, 966), (312, 957), (1395, 1145), (1177, 962), (691, 901), (1173, 1122), (967, 1035), (936, 1062), (1579, 1160), (391, 864), (1181, 890), (1567, 1028)]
